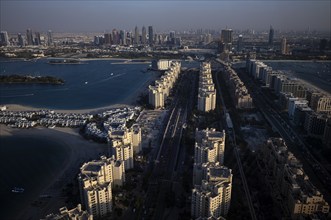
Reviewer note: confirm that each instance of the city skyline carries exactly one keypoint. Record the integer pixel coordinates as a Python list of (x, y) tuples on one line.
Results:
[(102, 16)]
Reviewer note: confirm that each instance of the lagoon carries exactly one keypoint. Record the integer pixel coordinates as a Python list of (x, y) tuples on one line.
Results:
[(92, 84)]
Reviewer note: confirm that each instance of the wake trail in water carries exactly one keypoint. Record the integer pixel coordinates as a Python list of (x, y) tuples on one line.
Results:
[(12, 96), (107, 79)]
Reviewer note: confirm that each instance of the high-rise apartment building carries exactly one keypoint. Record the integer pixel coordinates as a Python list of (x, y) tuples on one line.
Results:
[(213, 197), (207, 91), (96, 180), (121, 143), (160, 91), (209, 146), (150, 35), (136, 138)]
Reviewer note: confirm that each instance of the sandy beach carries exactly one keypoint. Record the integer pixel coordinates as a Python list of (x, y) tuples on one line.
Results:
[(78, 151)]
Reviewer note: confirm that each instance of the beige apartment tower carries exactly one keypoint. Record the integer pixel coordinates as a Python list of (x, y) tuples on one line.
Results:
[(96, 180)]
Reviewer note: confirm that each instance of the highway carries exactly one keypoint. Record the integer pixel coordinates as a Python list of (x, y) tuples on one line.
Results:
[(167, 158)]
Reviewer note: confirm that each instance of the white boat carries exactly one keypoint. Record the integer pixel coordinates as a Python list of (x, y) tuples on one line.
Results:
[(86, 82), (17, 190), (112, 74)]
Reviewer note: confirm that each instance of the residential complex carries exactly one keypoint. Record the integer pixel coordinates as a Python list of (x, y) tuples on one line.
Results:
[(207, 91), (307, 107), (301, 197), (238, 91), (160, 91), (96, 180), (211, 196)]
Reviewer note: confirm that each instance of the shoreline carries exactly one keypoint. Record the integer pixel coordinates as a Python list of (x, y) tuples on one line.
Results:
[(127, 102), (78, 151)]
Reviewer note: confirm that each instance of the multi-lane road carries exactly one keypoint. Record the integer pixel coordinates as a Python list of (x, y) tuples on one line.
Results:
[(167, 159)]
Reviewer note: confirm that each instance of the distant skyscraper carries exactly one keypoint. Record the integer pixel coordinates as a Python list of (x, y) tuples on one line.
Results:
[(20, 39), (4, 40), (107, 37), (284, 46), (226, 39), (37, 39), (116, 37), (271, 36), (150, 35), (122, 37), (226, 36), (29, 37), (49, 38), (143, 35), (240, 43), (136, 36)]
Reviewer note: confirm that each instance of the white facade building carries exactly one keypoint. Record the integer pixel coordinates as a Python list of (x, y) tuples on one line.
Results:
[(209, 146), (136, 138), (212, 199), (207, 91), (96, 180), (160, 91)]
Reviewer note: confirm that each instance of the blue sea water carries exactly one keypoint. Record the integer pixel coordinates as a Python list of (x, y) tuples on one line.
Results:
[(95, 83), (29, 163)]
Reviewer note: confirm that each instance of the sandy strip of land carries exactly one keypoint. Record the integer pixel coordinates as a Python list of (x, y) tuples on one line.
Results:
[(79, 151), (16, 107)]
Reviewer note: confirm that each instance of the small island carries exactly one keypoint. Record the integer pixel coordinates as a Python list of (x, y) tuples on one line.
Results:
[(27, 79), (64, 61)]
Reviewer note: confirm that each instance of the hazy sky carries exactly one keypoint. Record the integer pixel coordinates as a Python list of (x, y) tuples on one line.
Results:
[(77, 16)]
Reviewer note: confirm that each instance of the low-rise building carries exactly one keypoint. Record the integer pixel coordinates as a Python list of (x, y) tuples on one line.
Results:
[(73, 214)]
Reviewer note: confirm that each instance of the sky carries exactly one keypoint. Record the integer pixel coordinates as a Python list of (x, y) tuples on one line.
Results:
[(101, 16)]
